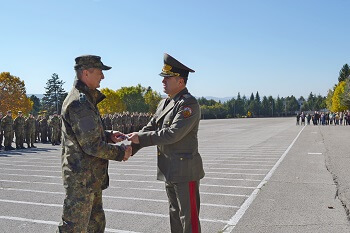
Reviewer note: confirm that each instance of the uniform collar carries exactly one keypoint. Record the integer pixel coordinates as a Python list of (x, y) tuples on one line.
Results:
[(180, 94), (94, 95)]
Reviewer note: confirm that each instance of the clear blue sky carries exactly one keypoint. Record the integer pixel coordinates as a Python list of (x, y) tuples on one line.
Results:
[(274, 47)]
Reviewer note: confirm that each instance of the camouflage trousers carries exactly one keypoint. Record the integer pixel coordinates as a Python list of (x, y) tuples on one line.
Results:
[(19, 138), (30, 137), (55, 137), (8, 135), (82, 213)]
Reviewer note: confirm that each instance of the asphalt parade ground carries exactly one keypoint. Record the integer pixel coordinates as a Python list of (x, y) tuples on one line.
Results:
[(262, 175)]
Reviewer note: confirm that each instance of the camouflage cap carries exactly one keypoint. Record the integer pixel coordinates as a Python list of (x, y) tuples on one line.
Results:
[(90, 61), (173, 67)]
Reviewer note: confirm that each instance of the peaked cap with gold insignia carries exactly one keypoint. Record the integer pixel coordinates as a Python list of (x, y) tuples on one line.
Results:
[(173, 67)]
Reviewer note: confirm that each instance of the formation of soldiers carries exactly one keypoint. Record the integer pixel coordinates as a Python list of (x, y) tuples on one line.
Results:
[(126, 122), (28, 130), (47, 129), (324, 118)]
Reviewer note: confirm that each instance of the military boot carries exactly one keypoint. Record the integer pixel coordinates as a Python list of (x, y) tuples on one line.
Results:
[(33, 146), (28, 146)]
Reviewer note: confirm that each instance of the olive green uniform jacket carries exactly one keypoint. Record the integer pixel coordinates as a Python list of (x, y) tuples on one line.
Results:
[(85, 148), (174, 130)]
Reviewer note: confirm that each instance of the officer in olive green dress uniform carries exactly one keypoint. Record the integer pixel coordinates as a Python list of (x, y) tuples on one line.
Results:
[(86, 150), (174, 129)]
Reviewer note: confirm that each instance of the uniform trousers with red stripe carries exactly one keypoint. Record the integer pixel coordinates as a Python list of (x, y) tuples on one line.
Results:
[(184, 203)]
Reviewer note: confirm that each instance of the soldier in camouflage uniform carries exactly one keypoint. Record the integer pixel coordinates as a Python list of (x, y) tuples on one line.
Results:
[(108, 122), (43, 129), (86, 150), (7, 127), (55, 126), (19, 125), (37, 128), (30, 131), (1, 132), (114, 122), (174, 129), (49, 128)]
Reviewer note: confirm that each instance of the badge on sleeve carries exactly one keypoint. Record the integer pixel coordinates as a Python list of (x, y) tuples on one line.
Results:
[(187, 112)]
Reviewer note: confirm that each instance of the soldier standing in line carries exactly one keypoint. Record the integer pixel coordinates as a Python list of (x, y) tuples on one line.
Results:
[(19, 124), (174, 130), (43, 129), (7, 127), (1, 132), (135, 124), (37, 128), (114, 122), (55, 126), (30, 129), (119, 122), (86, 150), (49, 128), (108, 122)]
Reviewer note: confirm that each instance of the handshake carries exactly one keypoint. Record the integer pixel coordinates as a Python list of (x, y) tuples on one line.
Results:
[(117, 136)]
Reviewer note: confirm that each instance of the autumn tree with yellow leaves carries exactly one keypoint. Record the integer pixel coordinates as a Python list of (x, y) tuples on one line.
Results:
[(13, 94), (337, 105), (112, 103), (132, 99)]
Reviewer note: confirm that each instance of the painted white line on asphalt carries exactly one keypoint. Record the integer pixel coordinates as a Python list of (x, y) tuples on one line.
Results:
[(19, 169), (232, 179), (248, 163), (7, 174), (27, 165), (226, 186), (32, 162), (314, 153), (29, 182), (236, 173), (107, 210), (239, 214), (114, 197), (54, 223), (234, 168)]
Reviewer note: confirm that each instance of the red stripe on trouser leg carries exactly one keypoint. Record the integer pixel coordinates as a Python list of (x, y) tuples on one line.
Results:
[(194, 212)]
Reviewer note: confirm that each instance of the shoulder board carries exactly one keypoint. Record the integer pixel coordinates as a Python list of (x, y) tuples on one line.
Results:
[(186, 96)]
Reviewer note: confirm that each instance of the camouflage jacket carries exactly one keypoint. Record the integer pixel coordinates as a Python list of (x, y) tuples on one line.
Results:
[(55, 122), (85, 148), (19, 123), (7, 124), (174, 129), (30, 124)]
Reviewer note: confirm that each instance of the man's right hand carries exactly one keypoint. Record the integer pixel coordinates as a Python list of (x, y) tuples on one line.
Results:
[(128, 152)]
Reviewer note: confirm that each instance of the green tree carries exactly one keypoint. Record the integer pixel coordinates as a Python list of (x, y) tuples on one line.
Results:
[(36, 104), (54, 95), (257, 104), (265, 107), (272, 106), (279, 106), (329, 99), (152, 99), (133, 98), (239, 106), (292, 105), (345, 98), (344, 73)]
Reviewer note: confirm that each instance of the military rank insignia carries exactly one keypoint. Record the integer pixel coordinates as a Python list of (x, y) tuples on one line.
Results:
[(187, 112)]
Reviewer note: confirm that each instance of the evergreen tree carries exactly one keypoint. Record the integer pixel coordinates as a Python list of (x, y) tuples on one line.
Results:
[(36, 104), (54, 96), (272, 106), (279, 106), (257, 104), (344, 73)]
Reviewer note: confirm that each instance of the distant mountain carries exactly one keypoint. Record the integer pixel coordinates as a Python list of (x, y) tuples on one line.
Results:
[(40, 96)]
